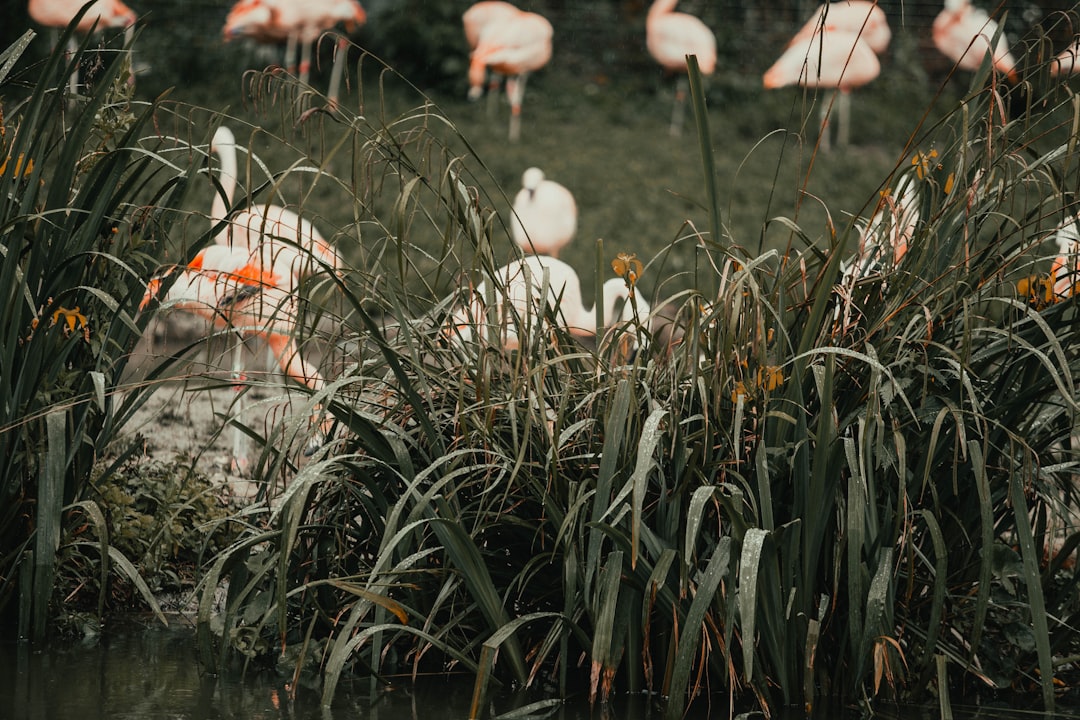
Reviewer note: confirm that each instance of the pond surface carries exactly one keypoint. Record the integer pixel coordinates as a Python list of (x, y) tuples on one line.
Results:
[(138, 672)]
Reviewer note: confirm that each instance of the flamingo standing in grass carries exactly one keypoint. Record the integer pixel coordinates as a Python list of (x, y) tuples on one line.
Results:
[(299, 25), (233, 287), (513, 45), (838, 59), (670, 36), (103, 14), (267, 229), (521, 285), (545, 215), (964, 33), (475, 19), (864, 17)]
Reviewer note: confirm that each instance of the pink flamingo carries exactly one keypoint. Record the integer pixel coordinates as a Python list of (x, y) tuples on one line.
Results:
[(521, 284), (475, 19), (298, 24), (233, 287), (103, 14), (544, 219), (268, 229), (837, 59), (514, 46), (670, 36), (859, 16), (1065, 272), (963, 33)]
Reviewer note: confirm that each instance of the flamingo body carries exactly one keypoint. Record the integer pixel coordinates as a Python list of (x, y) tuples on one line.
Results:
[(482, 14), (1065, 272), (1067, 62), (520, 285), (233, 287), (276, 233), (858, 16), (59, 13), (545, 215), (513, 45), (831, 59), (963, 33), (670, 36)]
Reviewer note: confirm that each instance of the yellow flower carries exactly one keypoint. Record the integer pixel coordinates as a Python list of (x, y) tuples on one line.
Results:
[(924, 163), (770, 377), (628, 267), (72, 319), (18, 166)]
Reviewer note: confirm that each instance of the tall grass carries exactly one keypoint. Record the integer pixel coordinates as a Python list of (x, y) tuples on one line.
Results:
[(82, 200), (787, 493), (805, 496)]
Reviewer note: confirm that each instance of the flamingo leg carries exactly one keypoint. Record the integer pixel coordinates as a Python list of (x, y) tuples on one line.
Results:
[(843, 120), (290, 53), (305, 62), (678, 112), (825, 144), (341, 54), (240, 459), (515, 90)]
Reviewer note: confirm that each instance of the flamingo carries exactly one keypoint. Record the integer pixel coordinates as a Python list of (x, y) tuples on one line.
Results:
[(1065, 272), (1067, 62), (297, 24), (963, 33), (523, 281), (670, 36), (860, 16), (234, 287), (883, 242), (103, 14), (545, 215), (838, 59), (475, 19), (263, 228), (514, 45)]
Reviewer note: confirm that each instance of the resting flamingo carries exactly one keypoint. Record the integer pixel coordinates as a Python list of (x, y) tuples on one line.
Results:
[(837, 59), (299, 25), (859, 16), (514, 45), (544, 219), (522, 282), (233, 287), (269, 229), (963, 33), (670, 36), (103, 14)]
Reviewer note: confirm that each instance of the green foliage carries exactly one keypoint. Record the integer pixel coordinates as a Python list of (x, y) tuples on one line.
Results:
[(74, 244), (807, 494)]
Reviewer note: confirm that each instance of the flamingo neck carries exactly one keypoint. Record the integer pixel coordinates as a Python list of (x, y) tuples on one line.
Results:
[(226, 153), (662, 7)]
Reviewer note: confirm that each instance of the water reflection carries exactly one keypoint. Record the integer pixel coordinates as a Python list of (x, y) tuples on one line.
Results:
[(147, 672)]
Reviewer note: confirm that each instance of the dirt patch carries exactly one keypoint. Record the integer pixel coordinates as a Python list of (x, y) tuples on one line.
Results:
[(188, 416)]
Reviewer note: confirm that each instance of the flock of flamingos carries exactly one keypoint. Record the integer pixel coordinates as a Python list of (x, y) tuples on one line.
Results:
[(248, 279)]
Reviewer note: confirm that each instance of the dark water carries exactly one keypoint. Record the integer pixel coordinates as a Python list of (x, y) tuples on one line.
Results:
[(149, 672)]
